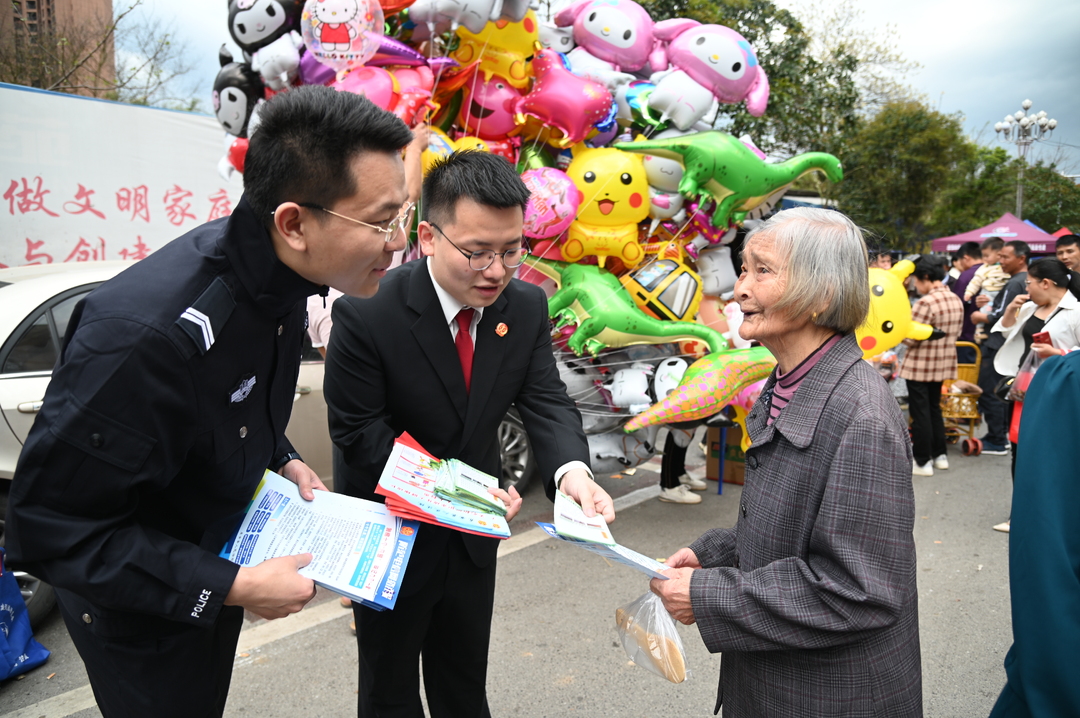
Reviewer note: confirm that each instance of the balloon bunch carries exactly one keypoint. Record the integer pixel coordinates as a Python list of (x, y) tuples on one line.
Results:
[(608, 116)]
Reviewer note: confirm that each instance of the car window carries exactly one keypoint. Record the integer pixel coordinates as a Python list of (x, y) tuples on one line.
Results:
[(62, 313), (679, 294), (35, 350)]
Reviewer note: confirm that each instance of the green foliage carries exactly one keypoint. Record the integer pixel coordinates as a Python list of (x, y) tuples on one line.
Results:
[(980, 189), (895, 167), (1050, 200)]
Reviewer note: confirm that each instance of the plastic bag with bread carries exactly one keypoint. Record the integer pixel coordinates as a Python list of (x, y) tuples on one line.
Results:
[(650, 638)]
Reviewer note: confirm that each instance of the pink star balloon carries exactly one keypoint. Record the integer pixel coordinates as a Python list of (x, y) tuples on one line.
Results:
[(562, 100)]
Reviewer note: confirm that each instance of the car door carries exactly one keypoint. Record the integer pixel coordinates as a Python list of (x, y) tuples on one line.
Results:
[(27, 358)]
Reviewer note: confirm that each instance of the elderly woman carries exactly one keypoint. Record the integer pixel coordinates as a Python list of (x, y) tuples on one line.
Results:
[(811, 598)]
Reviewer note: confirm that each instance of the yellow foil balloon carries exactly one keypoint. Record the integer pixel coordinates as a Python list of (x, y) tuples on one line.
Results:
[(503, 48), (889, 321), (440, 145), (616, 198)]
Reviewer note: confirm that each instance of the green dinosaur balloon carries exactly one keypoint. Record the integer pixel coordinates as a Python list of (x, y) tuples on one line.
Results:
[(606, 316), (722, 167)]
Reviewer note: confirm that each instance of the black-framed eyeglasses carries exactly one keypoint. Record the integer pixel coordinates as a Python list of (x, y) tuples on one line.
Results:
[(484, 258), (402, 221)]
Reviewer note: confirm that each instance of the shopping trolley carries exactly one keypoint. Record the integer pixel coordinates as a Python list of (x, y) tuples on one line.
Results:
[(960, 409)]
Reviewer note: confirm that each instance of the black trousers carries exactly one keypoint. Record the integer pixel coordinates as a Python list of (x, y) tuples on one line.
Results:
[(180, 675), (447, 620), (927, 426), (673, 463), (994, 410)]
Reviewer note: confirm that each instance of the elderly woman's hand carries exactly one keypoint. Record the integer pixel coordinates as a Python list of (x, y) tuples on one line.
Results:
[(683, 558), (675, 593)]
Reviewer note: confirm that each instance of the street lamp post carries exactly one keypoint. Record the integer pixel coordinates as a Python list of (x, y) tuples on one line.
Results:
[(1022, 129)]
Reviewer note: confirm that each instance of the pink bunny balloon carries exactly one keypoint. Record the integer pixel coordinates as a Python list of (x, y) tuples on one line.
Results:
[(706, 62), (619, 32), (553, 202)]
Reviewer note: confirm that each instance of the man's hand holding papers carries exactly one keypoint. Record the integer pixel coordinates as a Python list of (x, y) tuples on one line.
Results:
[(592, 534)]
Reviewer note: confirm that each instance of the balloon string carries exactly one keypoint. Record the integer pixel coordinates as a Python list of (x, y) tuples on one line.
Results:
[(472, 89)]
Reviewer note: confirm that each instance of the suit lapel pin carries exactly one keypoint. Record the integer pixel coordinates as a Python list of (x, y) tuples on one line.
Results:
[(502, 329)]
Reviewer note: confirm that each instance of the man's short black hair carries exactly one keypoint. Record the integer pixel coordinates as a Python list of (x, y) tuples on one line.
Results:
[(1066, 240), (994, 243), (929, 269), (305, 141), (970, 249), (484, 178), (1020, 248)]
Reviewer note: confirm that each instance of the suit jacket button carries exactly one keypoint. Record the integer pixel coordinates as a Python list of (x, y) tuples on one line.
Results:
[(243, 432), (736, 562), (752, 461), (743, 509), (280, 329), (86, 618), (96, 441)]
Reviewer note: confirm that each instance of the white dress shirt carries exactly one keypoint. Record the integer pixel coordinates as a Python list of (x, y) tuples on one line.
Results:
[(451, 307)]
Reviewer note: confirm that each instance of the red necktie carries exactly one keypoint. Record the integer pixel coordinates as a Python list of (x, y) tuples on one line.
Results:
[(464, 343)]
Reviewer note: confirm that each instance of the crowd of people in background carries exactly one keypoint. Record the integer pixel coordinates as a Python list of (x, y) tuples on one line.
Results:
[(1019, 309)]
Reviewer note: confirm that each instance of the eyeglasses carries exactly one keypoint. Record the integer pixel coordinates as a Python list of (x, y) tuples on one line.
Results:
[(402, 221), (484, 258)]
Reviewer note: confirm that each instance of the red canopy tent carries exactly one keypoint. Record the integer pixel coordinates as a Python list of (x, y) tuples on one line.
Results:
[(1063, 231), (1008, 227)]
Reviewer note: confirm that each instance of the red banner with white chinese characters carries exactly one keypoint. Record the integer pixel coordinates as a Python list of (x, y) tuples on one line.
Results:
[(86, 180)]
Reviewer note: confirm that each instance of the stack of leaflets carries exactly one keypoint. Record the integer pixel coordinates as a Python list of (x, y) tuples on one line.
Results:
[(457, 481), (592, 534), (359, 549), (410, 483)]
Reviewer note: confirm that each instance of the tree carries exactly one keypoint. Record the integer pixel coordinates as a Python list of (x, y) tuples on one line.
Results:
[(980, 189), (1050, 200), (123, 57), (895, 167), (838, 28)]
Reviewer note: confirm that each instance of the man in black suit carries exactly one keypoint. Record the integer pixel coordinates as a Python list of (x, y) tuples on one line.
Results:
[(442, 352)]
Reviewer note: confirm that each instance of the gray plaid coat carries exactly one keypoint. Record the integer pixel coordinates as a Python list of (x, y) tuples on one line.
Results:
[(811, 597)]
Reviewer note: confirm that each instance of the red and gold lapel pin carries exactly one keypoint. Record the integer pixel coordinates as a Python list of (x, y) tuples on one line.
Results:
[(502, 329)]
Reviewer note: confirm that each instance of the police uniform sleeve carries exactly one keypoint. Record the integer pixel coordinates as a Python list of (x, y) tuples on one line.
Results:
[(116, 426)]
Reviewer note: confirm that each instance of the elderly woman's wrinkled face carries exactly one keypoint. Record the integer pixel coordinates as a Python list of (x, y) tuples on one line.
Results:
[(760, 286)]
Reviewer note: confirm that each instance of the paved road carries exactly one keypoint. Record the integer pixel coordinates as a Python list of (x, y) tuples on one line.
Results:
[(554, 648)]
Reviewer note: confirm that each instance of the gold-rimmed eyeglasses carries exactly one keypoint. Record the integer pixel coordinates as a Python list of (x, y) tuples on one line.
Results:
[(402, 221), (484, 258)]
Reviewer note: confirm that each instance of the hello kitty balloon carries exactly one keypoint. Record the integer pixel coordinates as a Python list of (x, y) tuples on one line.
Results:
[(342, 34), (703, 65)]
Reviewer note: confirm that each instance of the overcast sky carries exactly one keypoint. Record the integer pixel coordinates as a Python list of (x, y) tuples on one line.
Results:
[(981, 59)]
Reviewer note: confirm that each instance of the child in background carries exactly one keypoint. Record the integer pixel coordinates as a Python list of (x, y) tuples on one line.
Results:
[(989, 279)]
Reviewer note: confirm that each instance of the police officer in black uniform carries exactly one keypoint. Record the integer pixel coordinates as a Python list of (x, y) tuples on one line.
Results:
[(171, 396)]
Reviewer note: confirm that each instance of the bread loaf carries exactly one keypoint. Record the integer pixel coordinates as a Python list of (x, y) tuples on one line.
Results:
[(662, 651)]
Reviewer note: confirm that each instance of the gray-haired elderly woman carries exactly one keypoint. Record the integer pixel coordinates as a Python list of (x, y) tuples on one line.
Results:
[(811, 597)]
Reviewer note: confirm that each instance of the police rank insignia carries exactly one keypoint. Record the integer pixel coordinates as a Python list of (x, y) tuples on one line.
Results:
[(502, 329), (206, 317), (242, 390)]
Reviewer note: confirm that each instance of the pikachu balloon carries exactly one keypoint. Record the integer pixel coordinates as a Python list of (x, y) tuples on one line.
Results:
[(615, 198), (889, 321)]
